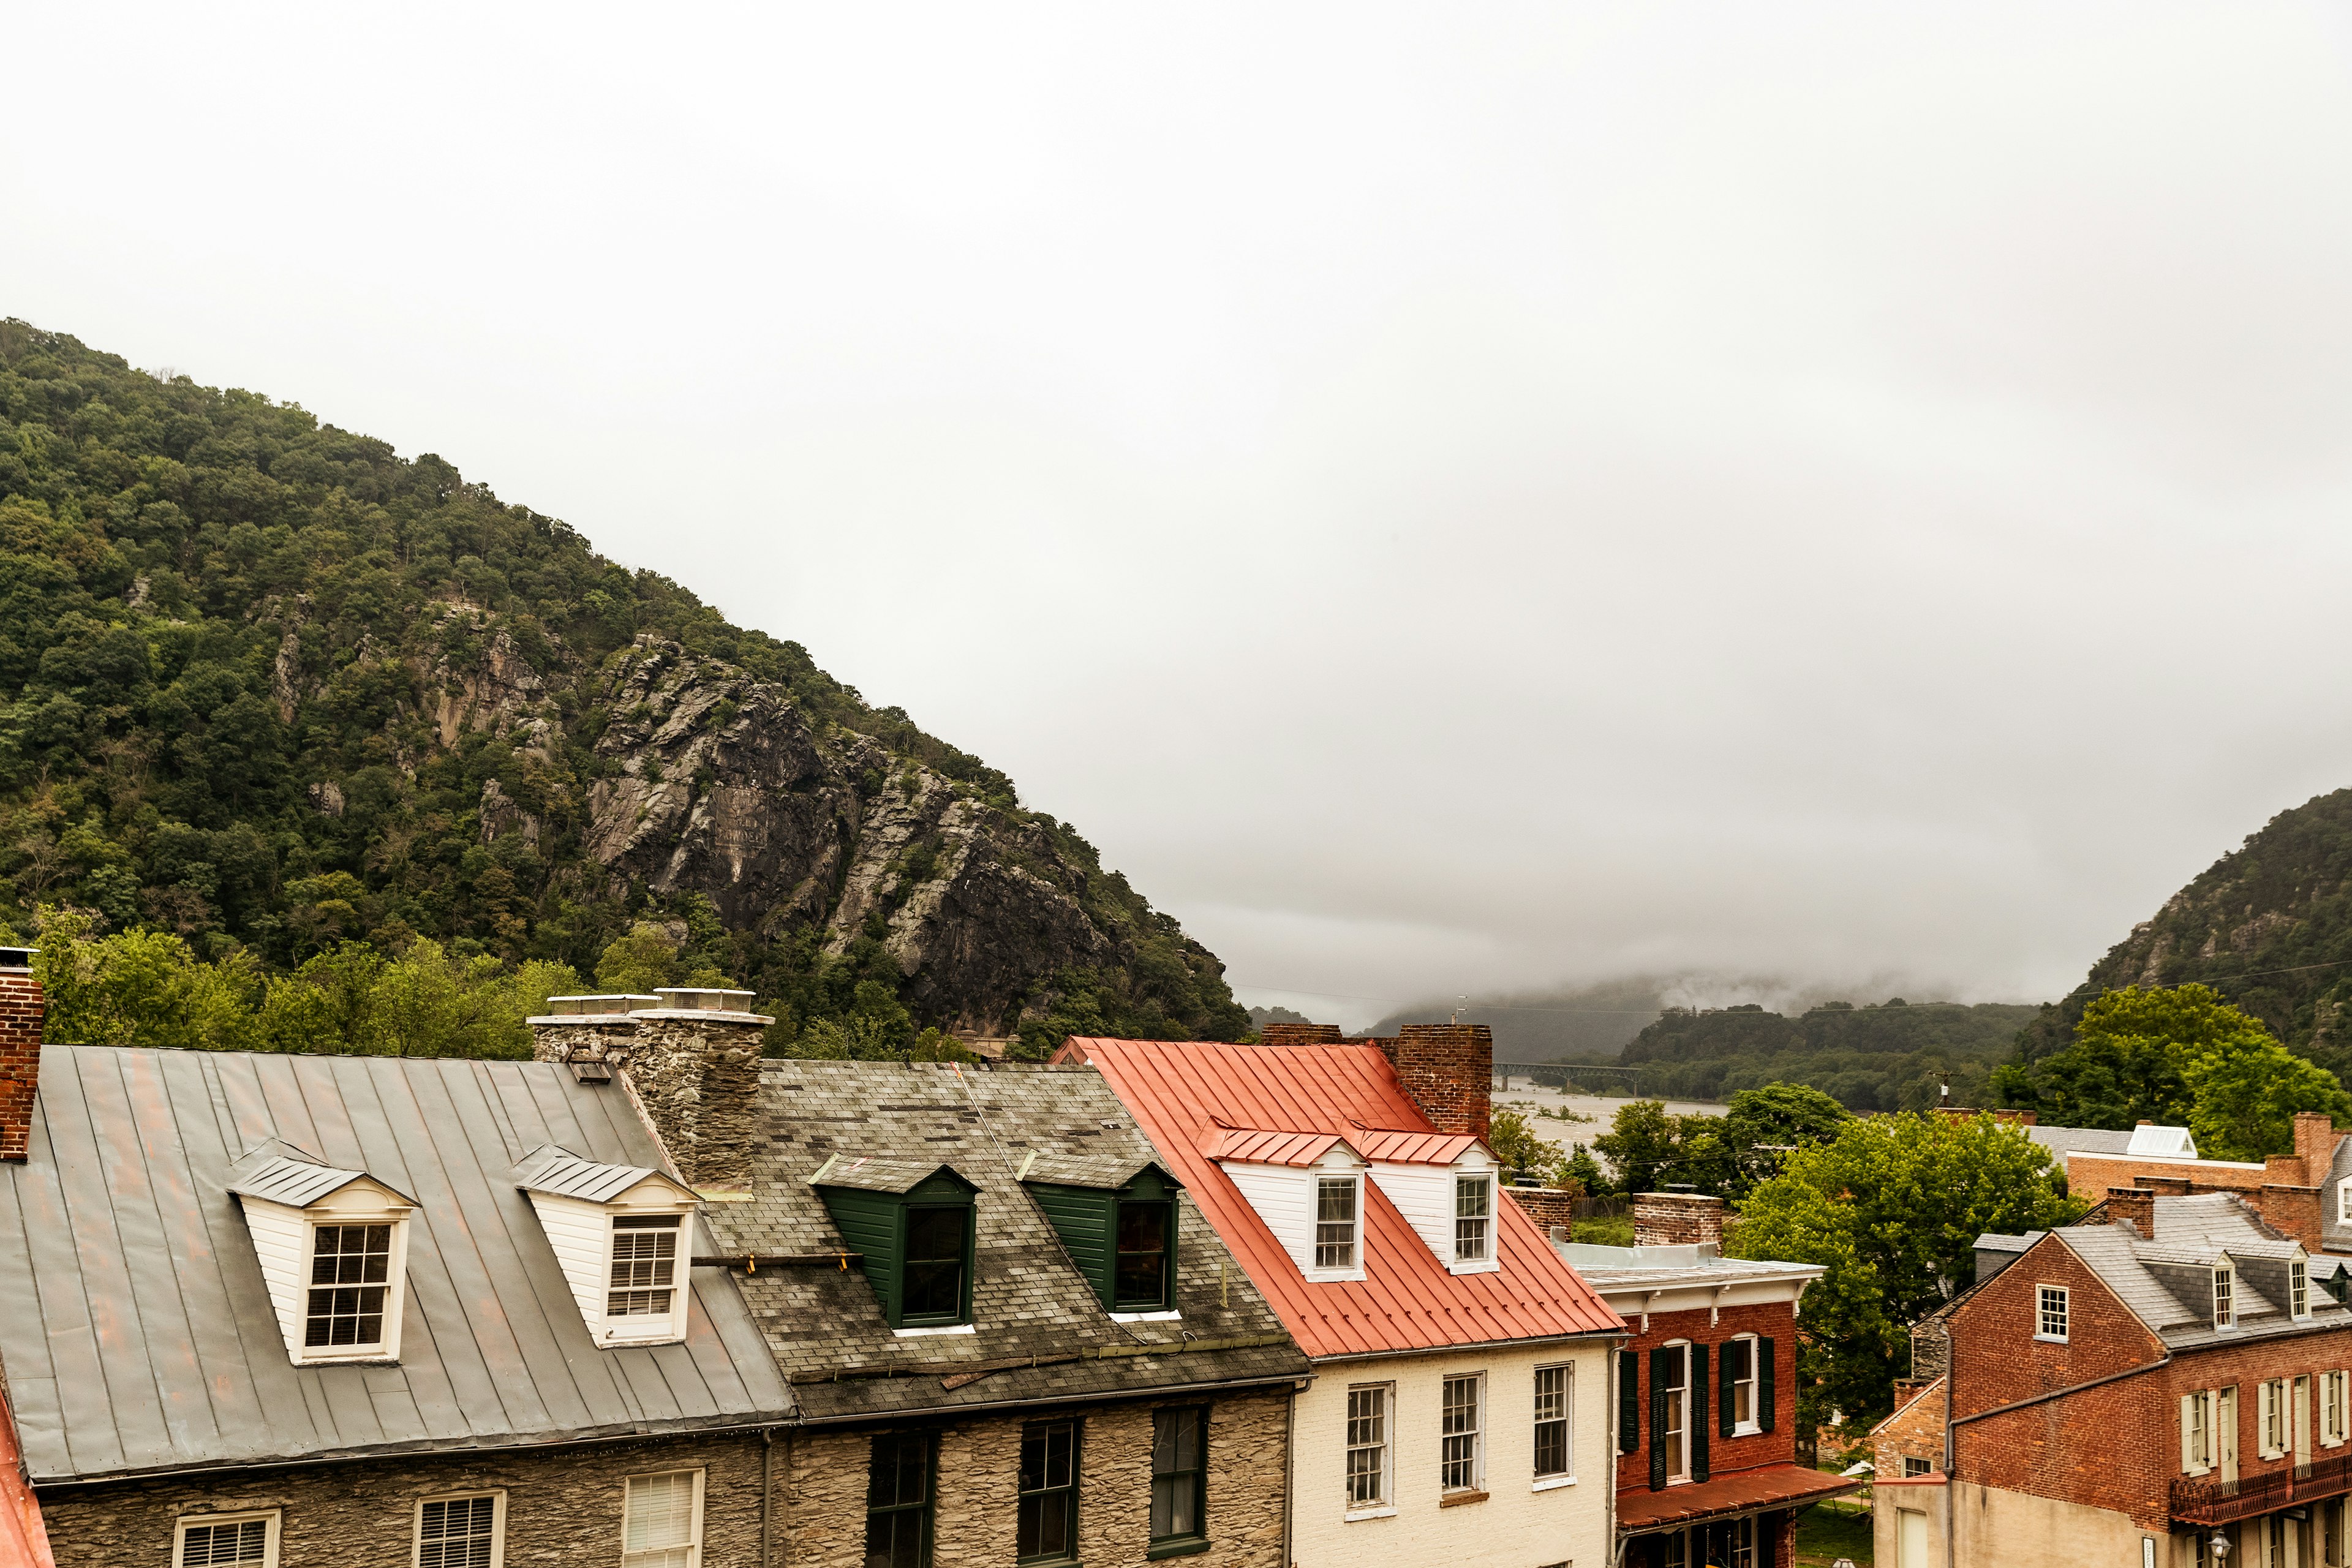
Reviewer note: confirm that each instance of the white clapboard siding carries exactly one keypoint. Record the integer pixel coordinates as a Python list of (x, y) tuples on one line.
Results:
[(1424, 1195), (581, 1234), (1284, 1197), (282, 1241), (281, 1236)]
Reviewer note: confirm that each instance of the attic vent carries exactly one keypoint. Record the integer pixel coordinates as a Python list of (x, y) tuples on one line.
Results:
[(592, 1072)]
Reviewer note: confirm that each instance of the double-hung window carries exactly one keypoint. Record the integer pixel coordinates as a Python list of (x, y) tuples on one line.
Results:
[(898, 1502), (661, 1521), (1335, 1221), (1738, 1375), (2343, 1201), (2225, 1313), (1180, 1452), (2197, 1432), (461, 1531), (1141, 1276), (2049, 1309), (227, 1541), (1367, 1446), (935, 1264), (1474, 1218), (2273, 1413), (644, 1266), (351, 1287), (1554, 1455), (2333, 1427), (1045, 1522), (1673, 1436), (1462, 1432), (2298, 1287)]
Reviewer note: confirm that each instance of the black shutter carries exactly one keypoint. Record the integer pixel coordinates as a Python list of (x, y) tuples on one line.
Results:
[(1726, 1402), (1698, 1412), (1766, 1405), (1629, 1401), (1658, 1418)]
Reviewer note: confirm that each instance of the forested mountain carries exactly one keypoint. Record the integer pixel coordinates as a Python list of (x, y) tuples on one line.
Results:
[(1885, 1057), (272, 689), (2269, 926)]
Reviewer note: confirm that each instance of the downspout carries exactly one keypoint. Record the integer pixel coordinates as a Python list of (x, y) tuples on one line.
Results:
[(767, 1489), (1609, 1449), (1289, 1469)]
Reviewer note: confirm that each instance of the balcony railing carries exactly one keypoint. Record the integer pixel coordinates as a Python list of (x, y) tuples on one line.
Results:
[(2226, 1502)]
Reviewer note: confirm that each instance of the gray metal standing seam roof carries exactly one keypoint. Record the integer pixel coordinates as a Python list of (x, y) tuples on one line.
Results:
[(551, 1168), (140, 1336)]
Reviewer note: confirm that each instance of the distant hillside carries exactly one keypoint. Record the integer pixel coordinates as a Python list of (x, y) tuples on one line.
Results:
[(270, 687), (2269, 925), (1884, 1057), (1590, 1022)]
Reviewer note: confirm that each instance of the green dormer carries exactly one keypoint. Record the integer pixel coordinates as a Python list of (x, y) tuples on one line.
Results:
[(1118, 1220), (916, 1226)]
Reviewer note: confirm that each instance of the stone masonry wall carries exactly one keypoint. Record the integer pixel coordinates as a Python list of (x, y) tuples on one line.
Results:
[(979, 1471), (563, 1506), (697, 1074), (20, 1059), (1449, 1071)]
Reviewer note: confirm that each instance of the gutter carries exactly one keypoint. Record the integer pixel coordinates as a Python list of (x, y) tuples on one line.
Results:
[(1581, 1335), (931, 1411)]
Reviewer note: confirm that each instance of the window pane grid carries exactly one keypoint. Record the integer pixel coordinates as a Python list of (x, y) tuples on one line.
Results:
[(1179, 1439), (1045, 1527), (935, 1263), (351, 1276), (898, 1502), (2050, 1315), (1141, 1280), (1473, 1205), (1335, 1224), (644, 1266), (1551, 1421), (245, 1540), (456, 1532), (1367, 1446), (1458, 1428)]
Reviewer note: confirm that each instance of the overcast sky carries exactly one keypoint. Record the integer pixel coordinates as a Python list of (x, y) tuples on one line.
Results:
[(1449, 499)]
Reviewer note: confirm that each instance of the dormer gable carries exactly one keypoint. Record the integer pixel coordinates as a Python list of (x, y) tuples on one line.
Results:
[(623, 1237), (333, 1248), (1446, 1186), (916, 1227), (1307, 1188), (1117, 1219)]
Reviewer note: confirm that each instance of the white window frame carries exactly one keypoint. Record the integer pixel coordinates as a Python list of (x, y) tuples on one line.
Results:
[(1354, 1267), (694, 1539), (2196, 1412), (1383, 1503), (2334, 1388), (1754, 1424), (497, 1523), (2343, 1201), (2270, 1417), (2298, 1289), (1678, 1396), (188, 1521), (1485, 1181), (2225, 1297), (1566, 1474), (2052, 1303), (396, 1297), (1476, 1457), (634, 1328)]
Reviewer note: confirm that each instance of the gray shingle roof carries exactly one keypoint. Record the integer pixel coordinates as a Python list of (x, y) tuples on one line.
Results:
[(140, 1335), (1110, 1171), (1040, 1332), (2168, 1283), (877, 1176)]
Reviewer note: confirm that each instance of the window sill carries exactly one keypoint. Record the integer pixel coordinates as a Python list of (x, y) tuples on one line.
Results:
[(943, 1328), (1491, 1266), (1155, 1316), (372, 1358), (2048, 1338), (1356, 1514), (1460, 1500), (1182, 1546), (1747, 1429), (1550, 1483)]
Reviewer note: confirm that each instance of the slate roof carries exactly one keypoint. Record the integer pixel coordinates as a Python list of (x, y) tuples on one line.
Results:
[(1108, 1172), (140, 1337), (1407, 1299), (1039, 1331), (2334, 1234), (2166, 1282)]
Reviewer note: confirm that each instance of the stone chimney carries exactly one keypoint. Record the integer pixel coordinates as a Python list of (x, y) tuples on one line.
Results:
[(1677, 1219), (1449, 1071), (2315, 1141), (21, 1007), (1301, 1034), (690, 1057), (2136, 1206)]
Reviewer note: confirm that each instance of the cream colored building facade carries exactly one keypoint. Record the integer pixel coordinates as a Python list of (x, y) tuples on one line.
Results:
[(1509, 1518), (2015, 1529)]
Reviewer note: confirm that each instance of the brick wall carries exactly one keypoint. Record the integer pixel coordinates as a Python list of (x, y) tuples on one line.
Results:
[(20, 1059), (1676, 1219), (563, 1506), (978, 1469), (1775, 1320), (1449, 1071), (1548, 1206), (1301, 1034)]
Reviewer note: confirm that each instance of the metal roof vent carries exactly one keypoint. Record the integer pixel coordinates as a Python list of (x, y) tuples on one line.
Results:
[(592, 1072)]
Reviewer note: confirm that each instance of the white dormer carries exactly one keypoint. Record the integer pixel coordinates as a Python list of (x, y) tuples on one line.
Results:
[(333, 1246), (624, 1238), (1445, 1185), (1309, 1188)]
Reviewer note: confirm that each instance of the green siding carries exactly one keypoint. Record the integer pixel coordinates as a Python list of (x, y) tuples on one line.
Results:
[(1082, 1217), (870, 1222)]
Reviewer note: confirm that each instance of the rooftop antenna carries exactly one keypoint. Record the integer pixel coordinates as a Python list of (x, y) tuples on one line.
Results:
[(1461, 1005), (1944, 1101)]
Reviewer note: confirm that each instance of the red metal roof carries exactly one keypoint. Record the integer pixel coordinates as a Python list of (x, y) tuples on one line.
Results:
[(1260, 1147), (1414, 1147), (23, 1543), (1406, 1300), (1742, 1491)]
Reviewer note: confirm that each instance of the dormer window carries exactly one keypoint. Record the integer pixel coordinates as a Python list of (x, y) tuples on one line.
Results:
[(333, 1249), (1474, 1218), (623, 1237), (1336, 1210), (2298, 1287), (2225, 1282), (915, 1226), (1117, 1219)]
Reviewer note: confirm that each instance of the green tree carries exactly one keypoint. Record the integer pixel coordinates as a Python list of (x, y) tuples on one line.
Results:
[(638, 962), (2245, 1096), (1643, 1145), (1891, 1208), (1522, 1151)]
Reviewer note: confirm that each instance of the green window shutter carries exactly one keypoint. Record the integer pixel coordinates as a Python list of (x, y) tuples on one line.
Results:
[(1766, 1405), (1629, 1401), (1725, 1401), (1657, 1419), (1698, 1412)]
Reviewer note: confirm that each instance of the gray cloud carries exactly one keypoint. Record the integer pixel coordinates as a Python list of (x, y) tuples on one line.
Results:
[(1448, 501)]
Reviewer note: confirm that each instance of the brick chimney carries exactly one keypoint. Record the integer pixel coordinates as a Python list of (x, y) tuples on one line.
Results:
[(690, 1057), (2314, 1142), (1301, 1034), (1449, 1071), (1677, 1219), (21, 1007), (2136, 1206), (2291, 1210)]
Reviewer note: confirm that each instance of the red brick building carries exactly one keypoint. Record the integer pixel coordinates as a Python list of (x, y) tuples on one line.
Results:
[(2131, 1392), (1705, 1395)]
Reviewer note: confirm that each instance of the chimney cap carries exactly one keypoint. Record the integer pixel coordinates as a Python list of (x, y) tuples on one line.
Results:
[(18, 957), (591, 1006)]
